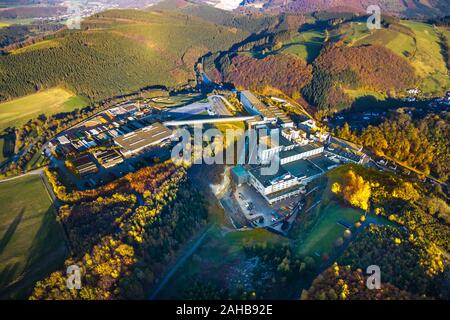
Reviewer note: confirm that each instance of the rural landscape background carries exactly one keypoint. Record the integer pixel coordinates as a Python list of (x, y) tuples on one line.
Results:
[(364, 112)]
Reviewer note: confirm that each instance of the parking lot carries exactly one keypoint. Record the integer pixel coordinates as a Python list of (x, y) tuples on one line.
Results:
[(257, 209)]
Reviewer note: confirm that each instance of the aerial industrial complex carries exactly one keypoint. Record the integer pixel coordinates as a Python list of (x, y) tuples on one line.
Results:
[(301, 155), (302, 152)]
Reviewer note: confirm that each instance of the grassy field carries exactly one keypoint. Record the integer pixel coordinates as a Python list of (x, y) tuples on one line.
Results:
[(428, 60), (31, 242), (306, 45), (18, 111), (323, 235), (119, 51), (422, 49)]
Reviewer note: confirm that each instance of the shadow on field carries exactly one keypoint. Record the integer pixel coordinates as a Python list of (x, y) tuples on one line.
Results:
[(46, 254), (7, 275), (11, 230)]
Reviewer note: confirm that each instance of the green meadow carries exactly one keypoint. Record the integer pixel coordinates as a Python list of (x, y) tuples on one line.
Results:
[(32, 243)]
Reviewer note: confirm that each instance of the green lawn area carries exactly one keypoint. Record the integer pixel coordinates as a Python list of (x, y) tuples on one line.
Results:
[(306, 45), (361, 92), (323, 235), (32, 243), (18, 111)]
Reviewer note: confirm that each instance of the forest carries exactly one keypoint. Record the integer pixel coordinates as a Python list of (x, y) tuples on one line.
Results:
[(415, 237), (123, 240), (340, 66), (421, 143), (342, 283), (116, 53), (283, 72)]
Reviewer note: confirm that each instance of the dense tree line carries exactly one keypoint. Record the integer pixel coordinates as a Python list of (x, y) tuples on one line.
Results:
[(422, 143), (342, 283), (407, 261), (30, 137)]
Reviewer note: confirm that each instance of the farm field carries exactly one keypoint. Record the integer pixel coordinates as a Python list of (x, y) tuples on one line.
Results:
[(31, 242), (18, 111)]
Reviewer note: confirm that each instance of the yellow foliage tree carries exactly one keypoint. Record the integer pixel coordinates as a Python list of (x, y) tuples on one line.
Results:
[(336, 187), (356, 191)]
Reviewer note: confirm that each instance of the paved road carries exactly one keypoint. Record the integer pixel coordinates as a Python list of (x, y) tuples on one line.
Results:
[(179, 263)]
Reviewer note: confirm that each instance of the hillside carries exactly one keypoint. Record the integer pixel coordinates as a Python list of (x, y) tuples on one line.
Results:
[(341, 67), (403, 8), (117, 52), (348, 60), (419, 43), (283, 72)]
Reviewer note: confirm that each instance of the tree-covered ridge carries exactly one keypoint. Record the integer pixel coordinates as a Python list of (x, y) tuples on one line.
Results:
[(342, 283), (341, 67), (420, 143), (117, 52), (123, 240), (407, 261), (283, 72)]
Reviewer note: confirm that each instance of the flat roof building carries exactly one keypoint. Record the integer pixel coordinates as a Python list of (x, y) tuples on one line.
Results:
[(83, 165), (138, 140), (254, 106), (108, 158), (289, 180)]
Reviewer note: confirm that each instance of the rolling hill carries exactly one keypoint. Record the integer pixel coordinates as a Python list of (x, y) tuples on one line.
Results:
[(116, 52), (401, 8)]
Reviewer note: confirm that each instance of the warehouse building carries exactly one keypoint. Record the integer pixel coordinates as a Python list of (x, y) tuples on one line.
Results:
[(138, 140)]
